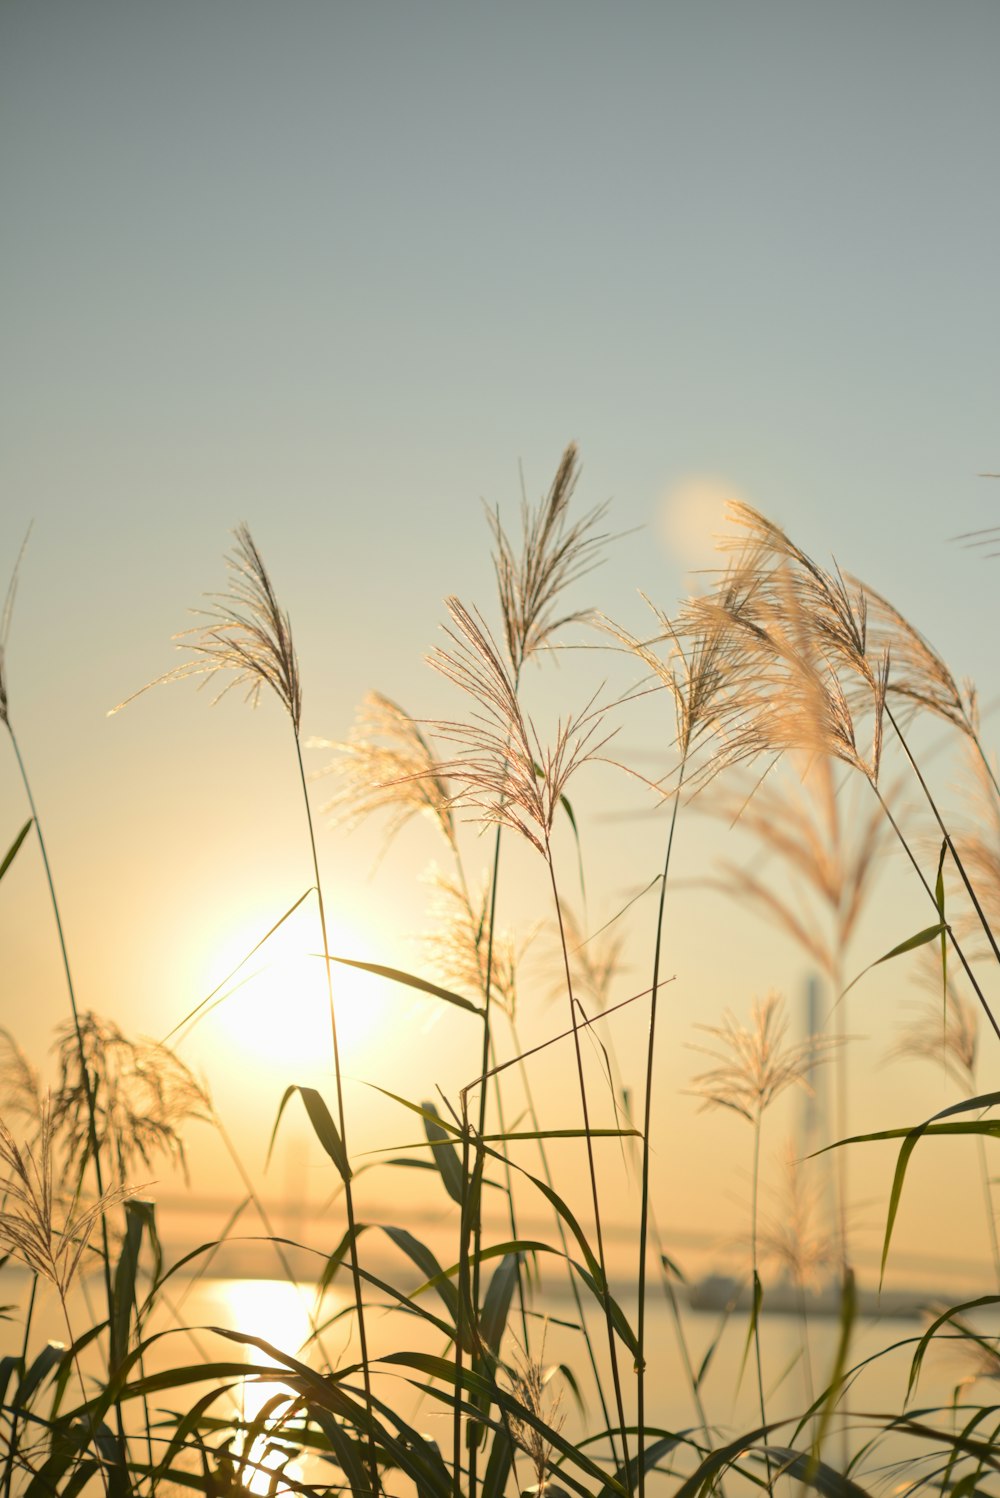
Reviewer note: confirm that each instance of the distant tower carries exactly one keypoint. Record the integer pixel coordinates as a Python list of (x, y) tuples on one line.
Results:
[(814, 1102), (815, 1125)]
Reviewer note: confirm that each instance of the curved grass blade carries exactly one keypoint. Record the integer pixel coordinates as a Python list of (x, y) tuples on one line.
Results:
[(443, 1369), (15, 847), (193, 1015), (629, 1478), (920, 939), (497, 1302), (396, 975), (848, 1312), (911, 1138), (427, 1263), (124, 1296), (50, 1357), (498, 1466), (323, 1127), (932, 1330), (446, 1156), (813, 1473)]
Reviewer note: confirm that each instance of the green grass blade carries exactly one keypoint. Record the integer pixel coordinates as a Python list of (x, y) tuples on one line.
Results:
[(650, 1456), (911, 1137), (815, 1474), (323, 1127), (929, 933), (428, 1265), (848, 1313), (345, 1449), (932, 1330), (123, 1297), (396, 975), (497, 1301), (446, 1156), (443, 1369), (15, 847)]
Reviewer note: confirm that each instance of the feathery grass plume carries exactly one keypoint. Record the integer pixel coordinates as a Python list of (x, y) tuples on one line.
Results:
[(596, 961), (698, 676), (142, 1093), (800, 634), (833, 859), (387, 764), (251, 636), (553, 555), (248, 633), (920, 677), (838, 616), (977, 839), (29, 1228), (949, 1038), (506, 776), (502, 771), (458, 943), (755, 1066), (791, 1238), (788, 695), (20, 1087), (529, 1380), (703, 667)]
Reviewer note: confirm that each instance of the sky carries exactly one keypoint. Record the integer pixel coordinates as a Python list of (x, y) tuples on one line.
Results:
[(344, 272)]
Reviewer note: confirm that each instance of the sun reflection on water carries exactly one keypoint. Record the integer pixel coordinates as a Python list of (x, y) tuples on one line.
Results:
[(279, 1313)]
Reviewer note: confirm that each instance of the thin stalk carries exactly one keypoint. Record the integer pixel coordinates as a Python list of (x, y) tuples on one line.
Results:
[(840, 1083), (8, 1476), (564, 1244), (471, 1215), (991, 1221), (463, 1299), (477, 1233), (511, 1210), (84, 1071), (947, 837), (592, 1170), (646, 1123), (756, 1288), (806, 1353), (147, 1419), (83, 1394), (675, 1312), (269, 1228), (931, 896), (841, 1168), (348, 1193)]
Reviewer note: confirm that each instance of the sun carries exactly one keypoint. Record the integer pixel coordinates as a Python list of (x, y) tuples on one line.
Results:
[(276, 1010)]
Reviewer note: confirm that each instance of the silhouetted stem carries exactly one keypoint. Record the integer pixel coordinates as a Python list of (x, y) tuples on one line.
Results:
[(646, 1123), (348, 1193), (8, 1476), (85, 1074), (592, 1170), (933, 899), (477, 1233), (756, 1288), (564, 1244), (991, 1221), (947, 837)]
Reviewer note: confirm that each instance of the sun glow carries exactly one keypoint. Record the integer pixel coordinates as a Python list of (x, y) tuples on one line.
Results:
[(277, 1312), (276, 1009)]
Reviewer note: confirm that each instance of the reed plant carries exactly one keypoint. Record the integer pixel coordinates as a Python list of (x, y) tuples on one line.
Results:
[(788, 684)]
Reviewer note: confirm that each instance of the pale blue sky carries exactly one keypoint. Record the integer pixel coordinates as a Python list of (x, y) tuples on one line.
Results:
[(337, 269)]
